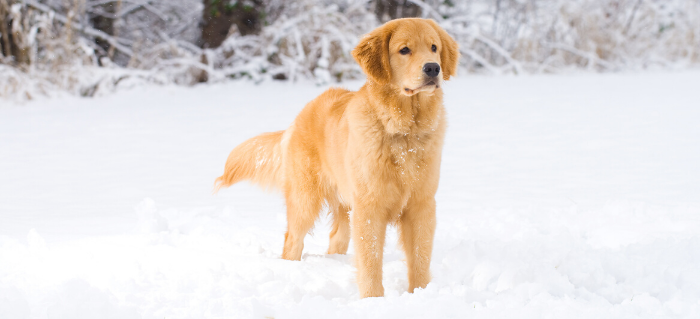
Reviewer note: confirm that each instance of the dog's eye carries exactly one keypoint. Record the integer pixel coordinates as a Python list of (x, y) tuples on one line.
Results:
[(405, 51), (434, 48)]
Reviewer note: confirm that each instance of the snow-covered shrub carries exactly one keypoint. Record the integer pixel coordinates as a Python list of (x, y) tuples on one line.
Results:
[(547, 36), (46, 54), (61, 50), (306, 41)]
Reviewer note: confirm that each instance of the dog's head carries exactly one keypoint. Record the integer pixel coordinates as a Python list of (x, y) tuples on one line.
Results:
[(415, 55)]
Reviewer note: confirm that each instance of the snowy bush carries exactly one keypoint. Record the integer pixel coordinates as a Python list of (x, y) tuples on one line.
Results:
[(306, 41), (547, 36)]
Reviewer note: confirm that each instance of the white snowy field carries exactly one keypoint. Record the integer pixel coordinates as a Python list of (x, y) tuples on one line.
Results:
[(569, 196)]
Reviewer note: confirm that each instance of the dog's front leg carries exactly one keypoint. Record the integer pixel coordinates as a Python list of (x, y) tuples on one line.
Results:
[(417, 228), (369, 224)]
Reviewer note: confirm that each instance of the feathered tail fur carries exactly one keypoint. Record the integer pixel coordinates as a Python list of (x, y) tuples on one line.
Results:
[(258, 160)]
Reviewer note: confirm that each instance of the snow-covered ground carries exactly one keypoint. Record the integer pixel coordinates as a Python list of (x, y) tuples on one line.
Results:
[(561, 197)]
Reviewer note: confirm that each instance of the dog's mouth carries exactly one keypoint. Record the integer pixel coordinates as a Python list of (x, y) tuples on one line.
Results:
[(424, 87)]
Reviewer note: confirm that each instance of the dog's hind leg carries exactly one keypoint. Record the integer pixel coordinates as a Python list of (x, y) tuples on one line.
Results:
[(340, 233), (302, 211)]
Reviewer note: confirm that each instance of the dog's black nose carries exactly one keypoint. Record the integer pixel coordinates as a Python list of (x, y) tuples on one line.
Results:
[(431, 69)]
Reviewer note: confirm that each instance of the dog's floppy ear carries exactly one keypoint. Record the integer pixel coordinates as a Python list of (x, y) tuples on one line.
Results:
[(372, 54), (449, 55)]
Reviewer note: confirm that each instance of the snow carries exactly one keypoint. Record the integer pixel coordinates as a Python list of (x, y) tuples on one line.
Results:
[(573, 196)]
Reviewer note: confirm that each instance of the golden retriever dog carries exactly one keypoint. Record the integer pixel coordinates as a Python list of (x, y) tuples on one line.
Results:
[(376, 152)]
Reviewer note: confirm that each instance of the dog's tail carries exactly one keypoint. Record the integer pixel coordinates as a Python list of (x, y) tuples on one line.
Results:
[(258, 160)]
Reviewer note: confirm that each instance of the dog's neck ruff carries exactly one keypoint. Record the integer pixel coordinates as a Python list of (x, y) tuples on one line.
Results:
[(400, 114)]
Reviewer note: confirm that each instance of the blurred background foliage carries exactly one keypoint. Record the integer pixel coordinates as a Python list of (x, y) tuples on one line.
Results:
[(90, 47)]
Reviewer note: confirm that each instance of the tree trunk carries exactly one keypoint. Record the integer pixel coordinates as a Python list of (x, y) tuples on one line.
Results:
[(103, 19), (14, 29), (386, 10), (219, 16), (5, 27)]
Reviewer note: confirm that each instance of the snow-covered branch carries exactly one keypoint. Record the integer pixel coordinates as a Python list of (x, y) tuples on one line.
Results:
[(80, 27)]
